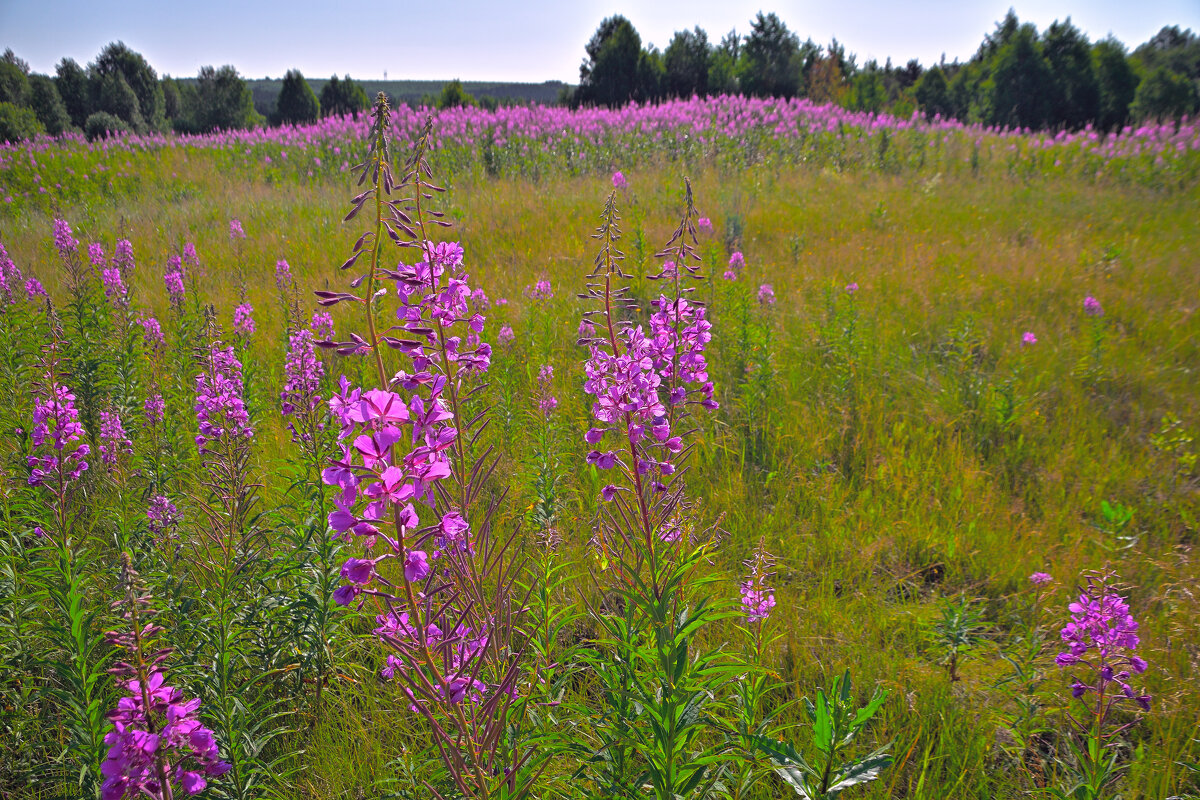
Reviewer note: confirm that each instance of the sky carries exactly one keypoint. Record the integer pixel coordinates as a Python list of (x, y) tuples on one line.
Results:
[(527, 41)]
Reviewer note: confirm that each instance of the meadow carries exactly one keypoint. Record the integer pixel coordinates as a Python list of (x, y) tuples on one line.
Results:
[(944, 359)]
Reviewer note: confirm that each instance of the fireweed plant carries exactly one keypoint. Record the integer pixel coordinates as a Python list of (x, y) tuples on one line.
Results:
[(660, 691), (412, 497), (1101, 654)]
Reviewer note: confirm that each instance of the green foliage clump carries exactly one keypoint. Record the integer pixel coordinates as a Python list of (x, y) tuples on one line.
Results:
[(297, 103), (18, 123)]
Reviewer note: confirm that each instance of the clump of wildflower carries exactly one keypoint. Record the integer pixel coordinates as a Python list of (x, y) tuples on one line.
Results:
[(679, 335), (1102, 636), (704, 224), (220, 406), (283, 275), (235, 229), (173, 280), (479, 300), (540, 290), (1092, 307), (154, 409), (766, 295), (162, 516), (114, 286), (321, 326), (158, 744), (64, 240), (123, 257), (758, 598), (546, 402), (737, 262), (152, 334), (243, 319), (1040, 579), (505, 335), (851, 288), (96, 255), (190, 256), (10, 276), (34, 289), (1028, 338), (302, 383), (113, 441), (56, 418), (619, 181)]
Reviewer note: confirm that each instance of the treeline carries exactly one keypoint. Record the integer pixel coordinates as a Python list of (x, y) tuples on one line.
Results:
[(1018, 78), (121, 92)]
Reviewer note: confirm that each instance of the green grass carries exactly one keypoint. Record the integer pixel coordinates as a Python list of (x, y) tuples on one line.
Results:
[(873, 463)]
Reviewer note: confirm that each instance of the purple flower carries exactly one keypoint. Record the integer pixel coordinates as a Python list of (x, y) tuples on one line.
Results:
[(34, 289), (758, 599), (321, 326), (235, 229), (190, 256), (506, 334), (546, 402), (114, 287), (154, 408), (704, 224), (283, 275), (220, 405), (1102, 635), (113, 441), (737, 262), (162, 516), (766, 295), (56, 419), (123, 257), (1040, 579), (96, 255), (64, 240), (1028, 338), (243, 319), (541, 290), (174, 283), (1092, 307), (152, 335), (618, 180), (416, 566), (851, 288), (300, 397)]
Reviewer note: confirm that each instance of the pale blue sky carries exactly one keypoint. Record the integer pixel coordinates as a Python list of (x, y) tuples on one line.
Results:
[(529, 40)]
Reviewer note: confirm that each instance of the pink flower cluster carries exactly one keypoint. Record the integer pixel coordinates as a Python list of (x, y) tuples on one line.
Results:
[(162, 516), (1102, 635), (758, 599), (243, 319), (766, 295), (56, 418), (546, 402), (679, 335), (220, 405), (113, 441), (10, 277), (737, 262), (283, 275), (303, 372)]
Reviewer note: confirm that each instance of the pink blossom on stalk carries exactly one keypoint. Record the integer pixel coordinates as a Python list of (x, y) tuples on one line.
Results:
[(113, 441), (851, 288), (10, 276), (34, 289), (1028, 338), (766, 295), (321, 326), (546, 402), (114, 286), (1102, 636), (243, 319), (123, 257), (1092, 307), (618, 180), (64, 240), (235, 229), (540, 290), (56, 418), (96, 255), (162, 516), (220, 406), (704, 224), (737, 263), (283, 274), (758, 598), (174, 283), (190, 256), (152, 335), (154, 408), (506, 334), (1040, 579), (302, 384)]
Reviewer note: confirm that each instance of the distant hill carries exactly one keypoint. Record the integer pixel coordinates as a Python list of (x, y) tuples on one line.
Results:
[(411, 92)]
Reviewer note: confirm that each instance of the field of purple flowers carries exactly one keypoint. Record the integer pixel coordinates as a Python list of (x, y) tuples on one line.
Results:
[(723, 448)]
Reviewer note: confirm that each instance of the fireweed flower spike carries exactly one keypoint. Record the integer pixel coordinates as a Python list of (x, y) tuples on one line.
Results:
[(1028, 338), (1092, 307), (243, 319), (766, 295), (1101, 652), (158, 745), (220, 404), (300, 398), (407, 481)]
